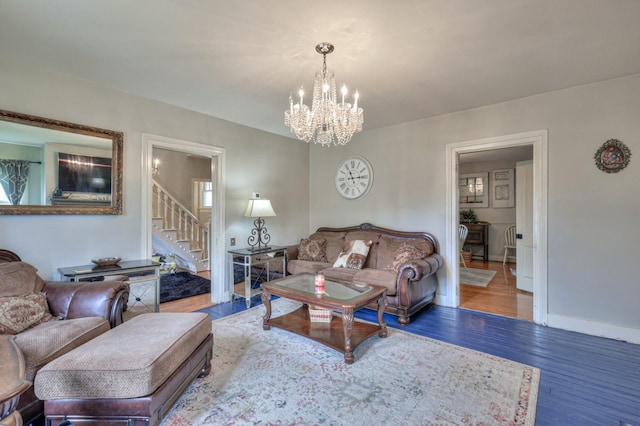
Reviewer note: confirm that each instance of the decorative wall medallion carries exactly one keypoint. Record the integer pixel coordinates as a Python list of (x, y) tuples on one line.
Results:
[(612, 156)]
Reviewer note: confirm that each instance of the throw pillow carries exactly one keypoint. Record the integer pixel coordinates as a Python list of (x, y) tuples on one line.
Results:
[(314, 250), (405, 253), (18, 313), (354, 254)]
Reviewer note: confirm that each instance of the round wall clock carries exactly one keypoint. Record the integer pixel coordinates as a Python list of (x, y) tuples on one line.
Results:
[(612, 156), (354, 178)]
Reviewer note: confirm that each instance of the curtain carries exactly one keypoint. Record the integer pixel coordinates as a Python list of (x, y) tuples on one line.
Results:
[(13, 178)]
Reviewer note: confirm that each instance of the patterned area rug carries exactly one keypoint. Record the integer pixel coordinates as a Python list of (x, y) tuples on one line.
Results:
[(477, 277), (279, 378)]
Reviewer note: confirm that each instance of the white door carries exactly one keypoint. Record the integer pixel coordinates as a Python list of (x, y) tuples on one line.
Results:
[(524, 225)]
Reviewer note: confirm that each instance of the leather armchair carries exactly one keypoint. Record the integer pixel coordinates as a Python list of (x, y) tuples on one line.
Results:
[(103, 300)]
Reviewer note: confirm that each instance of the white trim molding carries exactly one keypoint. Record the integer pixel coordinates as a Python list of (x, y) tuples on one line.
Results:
[(538, 139), (219, 287), (593, 328)]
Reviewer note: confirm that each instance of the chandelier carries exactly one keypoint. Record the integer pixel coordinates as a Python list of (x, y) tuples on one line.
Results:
[(328, 121)]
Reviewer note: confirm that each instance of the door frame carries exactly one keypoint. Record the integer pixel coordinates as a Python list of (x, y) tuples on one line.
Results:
[(538, 139), (217, 262)]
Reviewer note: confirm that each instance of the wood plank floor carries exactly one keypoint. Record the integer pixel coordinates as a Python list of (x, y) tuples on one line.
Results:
[(585, 380), (501, 296)]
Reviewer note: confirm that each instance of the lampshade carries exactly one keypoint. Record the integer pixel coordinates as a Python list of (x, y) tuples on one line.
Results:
[(259, 208)]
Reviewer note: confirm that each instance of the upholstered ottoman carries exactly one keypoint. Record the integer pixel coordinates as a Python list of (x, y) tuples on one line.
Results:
[(130, 375)]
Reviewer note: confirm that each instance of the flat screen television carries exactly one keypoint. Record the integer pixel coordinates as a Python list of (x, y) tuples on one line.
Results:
[(82, 173)]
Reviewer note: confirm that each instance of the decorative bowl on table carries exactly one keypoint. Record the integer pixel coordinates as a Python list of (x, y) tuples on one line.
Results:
[(106, 261)]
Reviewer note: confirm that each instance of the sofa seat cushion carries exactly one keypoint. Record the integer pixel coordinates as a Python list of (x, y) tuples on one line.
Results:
[(377, 277), (297, 266), (340, 274), (45, 342), (130, 361)]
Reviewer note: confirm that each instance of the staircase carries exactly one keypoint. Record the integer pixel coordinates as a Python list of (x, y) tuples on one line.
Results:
[(176, 230)]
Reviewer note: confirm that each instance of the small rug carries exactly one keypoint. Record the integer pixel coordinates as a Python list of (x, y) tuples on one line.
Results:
[(279, 378), (477, 277), (182, 284)]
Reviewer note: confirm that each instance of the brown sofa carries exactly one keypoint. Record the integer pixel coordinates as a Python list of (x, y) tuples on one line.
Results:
[(409, 288), (84, 310)]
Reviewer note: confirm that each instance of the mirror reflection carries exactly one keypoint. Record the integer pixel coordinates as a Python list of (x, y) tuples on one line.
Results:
[(54, 167)]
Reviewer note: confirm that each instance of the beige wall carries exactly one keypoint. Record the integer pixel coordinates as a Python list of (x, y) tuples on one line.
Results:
[(255, 161), (592, 225)]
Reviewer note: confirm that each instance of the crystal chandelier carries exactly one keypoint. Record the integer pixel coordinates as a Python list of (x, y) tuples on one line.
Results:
[(328, 121)]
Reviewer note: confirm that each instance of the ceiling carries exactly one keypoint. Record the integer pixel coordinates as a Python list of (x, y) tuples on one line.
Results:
[(239, 60)]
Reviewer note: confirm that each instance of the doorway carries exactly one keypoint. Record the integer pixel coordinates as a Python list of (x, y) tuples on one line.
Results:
[(538, 139), (490, 206), (219, 291)]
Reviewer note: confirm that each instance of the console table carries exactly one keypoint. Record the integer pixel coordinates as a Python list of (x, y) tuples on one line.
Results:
[(478, 236), (248, 260), (125, 267)]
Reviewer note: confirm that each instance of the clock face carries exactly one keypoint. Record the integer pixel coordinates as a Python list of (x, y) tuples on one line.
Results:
[(354, 178)]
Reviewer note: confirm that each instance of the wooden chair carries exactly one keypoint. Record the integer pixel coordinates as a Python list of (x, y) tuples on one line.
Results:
[(463, 231), (509, 241)]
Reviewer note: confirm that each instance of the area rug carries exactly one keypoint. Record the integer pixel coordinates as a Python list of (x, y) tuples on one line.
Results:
[(182, 284), (279, 378), (477, 277)]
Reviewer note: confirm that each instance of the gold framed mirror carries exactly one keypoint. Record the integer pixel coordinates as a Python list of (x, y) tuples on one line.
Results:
[(55, 167)]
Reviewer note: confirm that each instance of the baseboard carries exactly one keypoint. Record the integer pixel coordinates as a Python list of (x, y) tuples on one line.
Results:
[(441, 300), (593, 328)]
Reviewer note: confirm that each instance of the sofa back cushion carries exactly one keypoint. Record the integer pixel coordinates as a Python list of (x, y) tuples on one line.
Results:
[(335, 243), (18, 279), (388, 248)]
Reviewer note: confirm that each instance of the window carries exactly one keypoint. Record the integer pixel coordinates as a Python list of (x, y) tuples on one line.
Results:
[(3, 197)]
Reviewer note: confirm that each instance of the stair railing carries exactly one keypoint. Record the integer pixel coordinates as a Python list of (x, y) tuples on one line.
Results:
[(177, 217)]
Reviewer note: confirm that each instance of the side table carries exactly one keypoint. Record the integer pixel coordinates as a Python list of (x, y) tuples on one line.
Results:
[(262, 262), (13, 383), (127, 267)]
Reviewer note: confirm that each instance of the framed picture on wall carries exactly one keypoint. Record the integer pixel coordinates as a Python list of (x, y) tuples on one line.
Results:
[(473, 190), (503, 192)]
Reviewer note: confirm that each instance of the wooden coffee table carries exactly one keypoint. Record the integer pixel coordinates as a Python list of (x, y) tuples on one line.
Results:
[(343, 336)]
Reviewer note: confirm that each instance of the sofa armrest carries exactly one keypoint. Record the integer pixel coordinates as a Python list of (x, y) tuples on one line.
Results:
[(292, 252), (104, 299), (414, 270)]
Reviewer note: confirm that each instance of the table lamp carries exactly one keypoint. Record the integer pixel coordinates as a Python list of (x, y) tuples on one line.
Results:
[(259, 208)]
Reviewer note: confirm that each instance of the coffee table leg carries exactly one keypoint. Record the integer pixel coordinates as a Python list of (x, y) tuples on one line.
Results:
[(347, 325), (266, 300), (382, 304)]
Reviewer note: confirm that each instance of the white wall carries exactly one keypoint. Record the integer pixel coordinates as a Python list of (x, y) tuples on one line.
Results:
[(593, 230), (255, 161)]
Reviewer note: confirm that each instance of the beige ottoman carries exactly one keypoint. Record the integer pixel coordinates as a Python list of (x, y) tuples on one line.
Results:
[(131, 374)]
